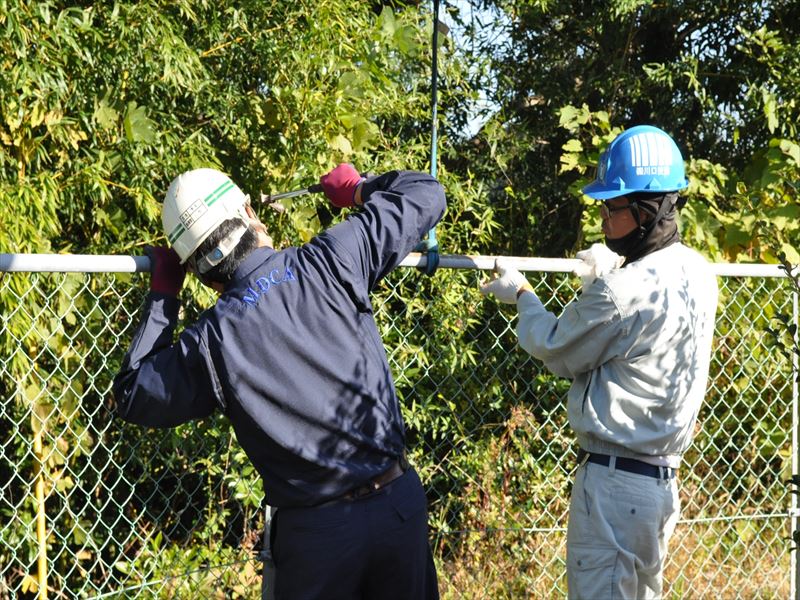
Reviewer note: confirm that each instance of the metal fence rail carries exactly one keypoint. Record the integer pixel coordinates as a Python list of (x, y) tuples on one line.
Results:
[(91, 507)]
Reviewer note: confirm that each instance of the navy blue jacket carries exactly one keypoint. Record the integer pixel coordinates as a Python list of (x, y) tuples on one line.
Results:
[(290, 352)]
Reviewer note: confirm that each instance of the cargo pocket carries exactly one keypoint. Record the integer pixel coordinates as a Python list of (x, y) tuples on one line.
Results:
[(590, 572)]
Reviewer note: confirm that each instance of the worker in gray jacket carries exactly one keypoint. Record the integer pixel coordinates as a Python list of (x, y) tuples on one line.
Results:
[(636, 344)]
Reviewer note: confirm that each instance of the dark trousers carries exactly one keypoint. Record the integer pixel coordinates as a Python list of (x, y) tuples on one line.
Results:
[(375, 547)]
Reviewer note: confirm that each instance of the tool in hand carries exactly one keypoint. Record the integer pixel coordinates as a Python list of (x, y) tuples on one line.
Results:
[(312, 189)]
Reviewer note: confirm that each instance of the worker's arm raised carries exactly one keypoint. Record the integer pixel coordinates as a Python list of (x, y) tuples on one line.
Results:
[(399, 208)]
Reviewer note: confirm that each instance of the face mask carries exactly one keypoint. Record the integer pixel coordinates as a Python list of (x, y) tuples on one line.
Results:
[(655, 235), (625, 246)]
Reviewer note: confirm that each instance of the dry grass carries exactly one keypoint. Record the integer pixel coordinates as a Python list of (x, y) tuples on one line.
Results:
[(740, 559)]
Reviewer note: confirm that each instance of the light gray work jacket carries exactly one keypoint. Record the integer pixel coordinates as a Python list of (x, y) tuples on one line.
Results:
[(637, 346)]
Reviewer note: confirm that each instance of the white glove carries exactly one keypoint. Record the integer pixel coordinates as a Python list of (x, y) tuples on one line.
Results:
[(506, 283), (596, 262)]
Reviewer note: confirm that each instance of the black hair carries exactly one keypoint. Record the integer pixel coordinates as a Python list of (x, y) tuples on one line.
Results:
[(223, 272)]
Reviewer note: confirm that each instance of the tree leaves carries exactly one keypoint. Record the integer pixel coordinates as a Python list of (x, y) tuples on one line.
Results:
[(138, 127)]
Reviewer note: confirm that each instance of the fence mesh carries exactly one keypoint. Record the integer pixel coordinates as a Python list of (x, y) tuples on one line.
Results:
[(93, 507)]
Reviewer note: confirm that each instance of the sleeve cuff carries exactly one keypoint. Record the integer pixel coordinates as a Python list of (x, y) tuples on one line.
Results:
[(527, 302), (523, 289)]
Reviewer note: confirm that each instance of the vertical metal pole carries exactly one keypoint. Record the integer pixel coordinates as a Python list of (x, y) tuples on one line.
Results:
[(41, 518), (795, 593), (434, 86), (430, 244)]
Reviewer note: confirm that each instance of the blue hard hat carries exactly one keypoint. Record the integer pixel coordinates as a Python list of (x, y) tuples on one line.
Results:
[(640, 159)]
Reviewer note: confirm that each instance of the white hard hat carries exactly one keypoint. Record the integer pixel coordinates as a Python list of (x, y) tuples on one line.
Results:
[(197, 202)]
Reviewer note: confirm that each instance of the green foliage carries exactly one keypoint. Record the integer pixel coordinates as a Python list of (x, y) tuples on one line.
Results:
[(103, 103), (567, 76)]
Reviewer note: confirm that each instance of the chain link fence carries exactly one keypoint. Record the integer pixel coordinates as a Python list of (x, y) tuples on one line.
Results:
[(91, 507)]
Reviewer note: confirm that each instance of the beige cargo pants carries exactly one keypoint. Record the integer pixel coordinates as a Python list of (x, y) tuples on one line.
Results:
[(619, 527)]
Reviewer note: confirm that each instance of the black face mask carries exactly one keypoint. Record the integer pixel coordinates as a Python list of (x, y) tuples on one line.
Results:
[(627, 245), (661, 231)]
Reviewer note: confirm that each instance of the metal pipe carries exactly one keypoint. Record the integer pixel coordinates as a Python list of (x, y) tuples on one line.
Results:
[(73, 263), (91, 263)]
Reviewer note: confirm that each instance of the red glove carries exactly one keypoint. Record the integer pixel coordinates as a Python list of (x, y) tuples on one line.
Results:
[(166, 271), (340, 185)]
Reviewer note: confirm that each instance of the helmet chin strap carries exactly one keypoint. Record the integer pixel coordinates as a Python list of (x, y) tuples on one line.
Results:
[(637, 214), (667, 204)]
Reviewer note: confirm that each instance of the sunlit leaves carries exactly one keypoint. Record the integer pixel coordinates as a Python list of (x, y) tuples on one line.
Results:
[(105, 116), (138, 127)]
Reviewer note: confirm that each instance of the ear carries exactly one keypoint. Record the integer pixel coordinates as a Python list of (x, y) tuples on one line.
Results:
[(264, 238)]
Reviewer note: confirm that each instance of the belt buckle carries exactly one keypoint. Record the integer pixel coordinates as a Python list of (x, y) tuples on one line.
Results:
[(375, 484), (365, 490)]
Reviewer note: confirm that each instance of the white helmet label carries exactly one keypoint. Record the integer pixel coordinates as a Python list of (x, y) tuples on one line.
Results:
[(651, 154), (196, 210)]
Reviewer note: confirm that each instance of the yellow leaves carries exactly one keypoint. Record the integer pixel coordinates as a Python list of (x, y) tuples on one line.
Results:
[(25, 118), (32, 393), (306, 222), (29, 584), (571, 158), (13, 116), (62, 482), (791, 253), (341, 144), (770, 103), (74, 136), (37, 114), (791, 150), (571, 117), (23, 131)]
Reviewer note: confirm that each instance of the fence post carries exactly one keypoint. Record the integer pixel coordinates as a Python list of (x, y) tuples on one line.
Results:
[(793, 522), (41, 517)]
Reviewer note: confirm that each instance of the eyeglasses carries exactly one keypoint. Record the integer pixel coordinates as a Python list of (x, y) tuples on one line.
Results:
[(606, 209)]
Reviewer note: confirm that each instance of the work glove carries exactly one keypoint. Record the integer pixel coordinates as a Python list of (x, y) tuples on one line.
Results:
[(340, 185), (506, 284), (596, 261), (166, 271)]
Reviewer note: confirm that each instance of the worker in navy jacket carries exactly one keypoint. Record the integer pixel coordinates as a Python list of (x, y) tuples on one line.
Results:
[(291, 354)]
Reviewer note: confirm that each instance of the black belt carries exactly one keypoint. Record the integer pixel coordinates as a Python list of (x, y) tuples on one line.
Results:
[(631, 465), (373, 485)]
